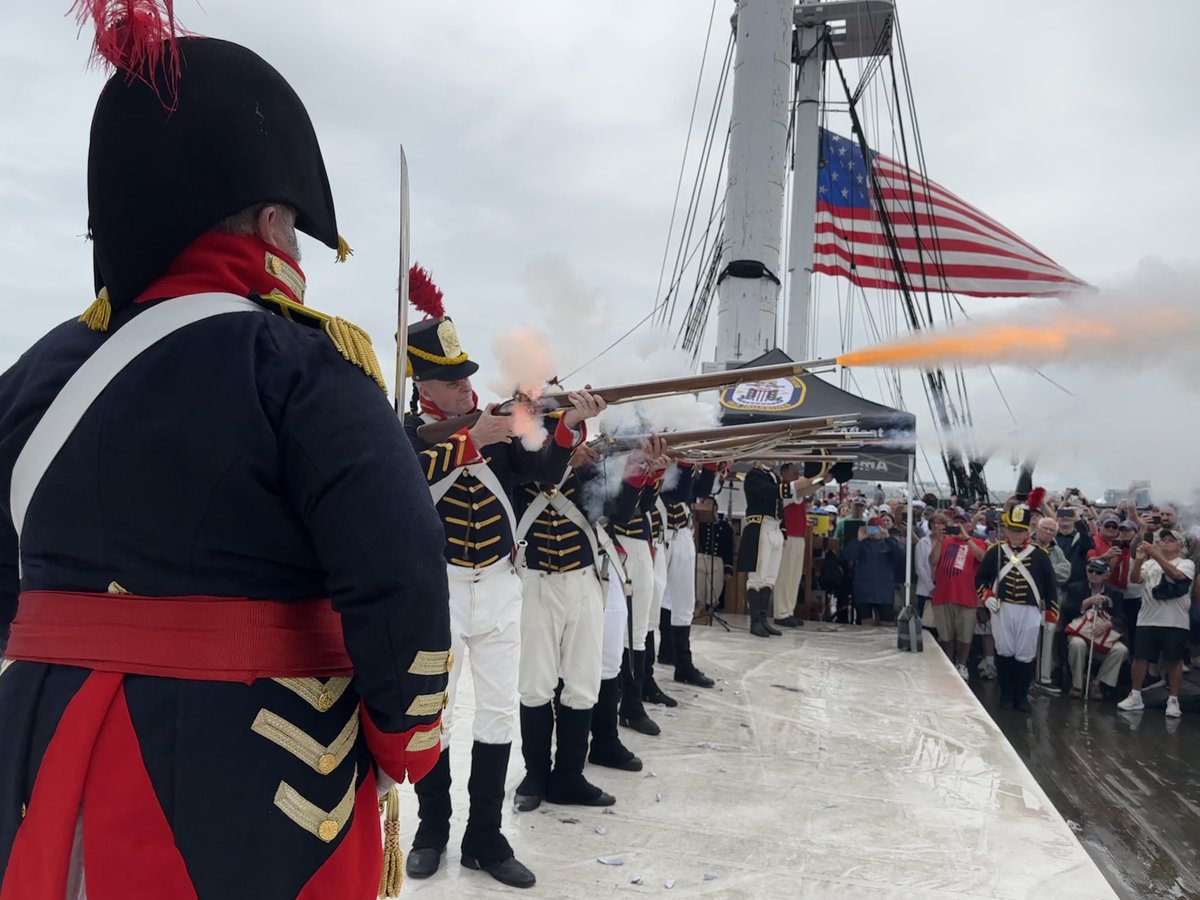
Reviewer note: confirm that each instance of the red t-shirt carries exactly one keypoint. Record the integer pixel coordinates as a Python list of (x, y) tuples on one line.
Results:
[(954, 580), (1118, 575), (795, 519)]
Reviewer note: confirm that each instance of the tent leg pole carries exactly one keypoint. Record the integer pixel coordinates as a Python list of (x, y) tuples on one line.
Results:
[(908, 554)]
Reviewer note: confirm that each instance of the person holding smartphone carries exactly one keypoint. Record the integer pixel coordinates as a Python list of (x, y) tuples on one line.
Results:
[(955, 559), (876, 556)]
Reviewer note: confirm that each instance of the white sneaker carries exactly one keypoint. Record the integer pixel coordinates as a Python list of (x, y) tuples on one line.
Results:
[(1173, 710), (962, 670), (988, 671), (1131, 703)]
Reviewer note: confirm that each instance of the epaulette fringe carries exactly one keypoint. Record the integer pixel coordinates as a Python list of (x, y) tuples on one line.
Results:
[(349, 339)]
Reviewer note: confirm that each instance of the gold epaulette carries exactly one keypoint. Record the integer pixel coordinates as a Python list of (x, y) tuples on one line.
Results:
[(351, 341)]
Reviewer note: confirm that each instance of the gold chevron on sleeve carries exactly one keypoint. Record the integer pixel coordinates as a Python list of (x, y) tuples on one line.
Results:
[(322, 759), (427, 704), (430, 662), (424, 740), (310, 817), (320, 695)]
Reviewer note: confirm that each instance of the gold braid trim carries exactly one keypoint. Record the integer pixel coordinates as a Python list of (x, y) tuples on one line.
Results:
[(392, 877), (355, 346), (434, 358), (99, 314)]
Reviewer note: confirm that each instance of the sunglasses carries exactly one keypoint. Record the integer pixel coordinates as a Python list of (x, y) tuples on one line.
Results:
[(1109, 525), (1168, 537)]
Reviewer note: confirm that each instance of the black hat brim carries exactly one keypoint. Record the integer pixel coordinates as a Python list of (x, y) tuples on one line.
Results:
[(449, 373)]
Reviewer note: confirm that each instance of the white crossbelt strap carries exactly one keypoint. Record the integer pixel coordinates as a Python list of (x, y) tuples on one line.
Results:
[(536, 507), (1015, 561), (488, 479), (662, 512), (597, 538), (90, 379), (614, 558)]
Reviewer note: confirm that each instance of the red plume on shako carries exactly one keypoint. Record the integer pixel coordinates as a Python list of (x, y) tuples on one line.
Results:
[(424, 294)]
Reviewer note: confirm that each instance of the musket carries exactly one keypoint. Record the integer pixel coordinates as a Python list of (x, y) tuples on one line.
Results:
[(728, 435), (436, 432)]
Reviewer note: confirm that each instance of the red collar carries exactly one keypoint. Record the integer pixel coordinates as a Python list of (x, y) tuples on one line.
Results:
[(239, 264), (430, 409)]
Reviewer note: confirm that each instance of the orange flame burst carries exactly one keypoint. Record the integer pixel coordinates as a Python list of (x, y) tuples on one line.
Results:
[(1052, 338)]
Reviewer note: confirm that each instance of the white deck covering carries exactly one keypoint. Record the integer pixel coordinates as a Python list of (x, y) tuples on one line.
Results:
[(824, 765)]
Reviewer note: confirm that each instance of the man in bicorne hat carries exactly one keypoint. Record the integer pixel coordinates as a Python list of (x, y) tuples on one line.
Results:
[(1016, 581), (472, 476), (224, 630)]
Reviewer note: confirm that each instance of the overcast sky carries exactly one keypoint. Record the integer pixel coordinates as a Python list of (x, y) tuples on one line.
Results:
[(547, 136)]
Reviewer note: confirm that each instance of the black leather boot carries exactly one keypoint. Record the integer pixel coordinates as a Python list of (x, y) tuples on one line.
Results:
[(1022, 679), (766, 611), (567, 784), (633, 713), (666, 647), (685, 669), (433, 812), (651, 692), (537, 729), (607, 749), (757, 615), (483, 846), (1004, 677)]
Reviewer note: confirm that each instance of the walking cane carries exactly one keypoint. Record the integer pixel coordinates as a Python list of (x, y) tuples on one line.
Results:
[(1087, 687)]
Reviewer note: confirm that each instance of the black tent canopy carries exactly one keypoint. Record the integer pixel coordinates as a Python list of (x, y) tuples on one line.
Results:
[(806, 396)]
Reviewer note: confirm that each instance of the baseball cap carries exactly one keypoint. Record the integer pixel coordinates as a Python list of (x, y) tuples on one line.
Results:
[(1065, 511), (1099, 566), (960, 515), (1128, 525), (876, 521), (918, 504), (1164, 533), (1110, 517)]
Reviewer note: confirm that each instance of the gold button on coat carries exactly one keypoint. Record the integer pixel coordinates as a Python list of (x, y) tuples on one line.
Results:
[(328, 830), (324, 701), (327, 763)]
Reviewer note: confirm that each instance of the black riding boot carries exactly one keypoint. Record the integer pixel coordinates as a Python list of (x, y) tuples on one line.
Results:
[(607, 749), (767, 609), (754, 602), (666, 646), (1021, 682), (1004, 677), (651, 692), (567, 784), (685, 669), (537, 729), (483, 846), (433, 812), (633, 713)]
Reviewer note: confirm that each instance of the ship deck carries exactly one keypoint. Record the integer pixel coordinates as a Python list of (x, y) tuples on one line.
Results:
[(824, 765)]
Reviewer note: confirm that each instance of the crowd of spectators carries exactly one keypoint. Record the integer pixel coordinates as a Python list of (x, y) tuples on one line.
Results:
[(1126, 610)]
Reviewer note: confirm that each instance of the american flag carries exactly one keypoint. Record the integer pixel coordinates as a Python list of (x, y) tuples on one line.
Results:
[(950, 247)]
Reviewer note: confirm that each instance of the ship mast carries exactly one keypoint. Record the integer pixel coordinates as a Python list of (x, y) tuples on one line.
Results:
[(771, 37)]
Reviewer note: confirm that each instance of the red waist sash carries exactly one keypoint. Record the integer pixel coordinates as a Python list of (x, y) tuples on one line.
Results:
[(197, 638)]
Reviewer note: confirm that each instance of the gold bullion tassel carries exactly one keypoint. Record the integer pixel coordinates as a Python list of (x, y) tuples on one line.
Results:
[(392, 878), (355, 345), (97, 316), (343, 249)]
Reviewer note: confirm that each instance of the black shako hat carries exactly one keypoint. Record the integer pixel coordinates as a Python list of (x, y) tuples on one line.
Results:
[(434, 351), (187, 136)]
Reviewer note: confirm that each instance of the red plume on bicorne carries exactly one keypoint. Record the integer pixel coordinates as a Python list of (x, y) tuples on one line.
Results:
[(1036, 496), (135, 36), (424, 294)]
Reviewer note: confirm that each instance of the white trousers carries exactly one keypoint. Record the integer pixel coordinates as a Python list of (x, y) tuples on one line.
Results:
[(710, 581), (659, 557), (1015, 629), (770, 554), (1110, 663), (616, 626), (791, 572), (680, 596), (639, 566), (562, 633), (485, 622)]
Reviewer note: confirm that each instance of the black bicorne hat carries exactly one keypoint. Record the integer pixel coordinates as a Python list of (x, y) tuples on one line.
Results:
[(185, 137)]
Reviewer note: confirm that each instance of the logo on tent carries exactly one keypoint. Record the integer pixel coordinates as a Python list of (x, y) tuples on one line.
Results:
[(777, 395)]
